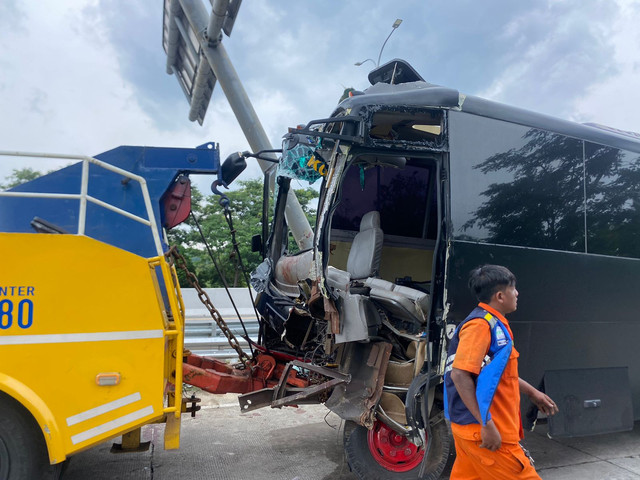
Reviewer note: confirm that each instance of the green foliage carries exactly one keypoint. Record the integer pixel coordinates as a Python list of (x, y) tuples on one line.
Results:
[(20, 176), (246, 213)]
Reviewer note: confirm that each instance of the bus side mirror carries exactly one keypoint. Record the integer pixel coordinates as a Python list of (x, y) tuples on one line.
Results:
[(233, 166)]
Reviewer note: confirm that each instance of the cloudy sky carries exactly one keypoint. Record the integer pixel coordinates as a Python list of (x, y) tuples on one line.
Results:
[(84, 76)]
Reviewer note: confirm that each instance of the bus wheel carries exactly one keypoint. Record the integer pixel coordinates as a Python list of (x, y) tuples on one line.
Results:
[(381, 453), (23, 452)]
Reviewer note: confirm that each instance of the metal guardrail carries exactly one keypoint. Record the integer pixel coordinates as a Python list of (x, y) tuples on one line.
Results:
[(203, 337)]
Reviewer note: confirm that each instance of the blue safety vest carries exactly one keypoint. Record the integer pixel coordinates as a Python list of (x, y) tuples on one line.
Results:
[(487, 382)]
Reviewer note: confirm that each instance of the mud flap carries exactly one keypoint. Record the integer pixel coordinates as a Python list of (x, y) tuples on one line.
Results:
[(367, 365)]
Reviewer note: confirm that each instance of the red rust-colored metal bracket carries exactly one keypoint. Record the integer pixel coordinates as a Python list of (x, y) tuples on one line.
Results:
[(218, 377)]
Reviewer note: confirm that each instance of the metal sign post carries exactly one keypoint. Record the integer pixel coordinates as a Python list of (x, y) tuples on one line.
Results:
[(195, 54)]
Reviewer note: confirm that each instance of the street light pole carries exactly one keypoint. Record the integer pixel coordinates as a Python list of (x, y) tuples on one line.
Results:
[(357, 64), (395, 25)]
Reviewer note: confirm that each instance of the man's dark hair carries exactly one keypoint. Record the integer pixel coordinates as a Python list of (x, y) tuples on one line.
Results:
[(486, 280)]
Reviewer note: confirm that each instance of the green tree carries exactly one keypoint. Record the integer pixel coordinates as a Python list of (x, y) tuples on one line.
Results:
[(19, 176), (246, 212)]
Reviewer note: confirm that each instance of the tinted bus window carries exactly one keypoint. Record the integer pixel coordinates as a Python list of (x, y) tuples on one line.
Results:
[(613, 201), (515, 185), (400, 195)]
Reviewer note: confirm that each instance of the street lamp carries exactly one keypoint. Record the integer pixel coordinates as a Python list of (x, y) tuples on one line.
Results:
[(395, 25), (357, 64)]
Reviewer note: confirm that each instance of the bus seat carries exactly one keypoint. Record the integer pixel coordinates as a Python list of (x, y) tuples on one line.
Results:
[(338, 279), (402, 302), (364, 255), (363, 262), (362, 267), (358, 320), (366, 249)]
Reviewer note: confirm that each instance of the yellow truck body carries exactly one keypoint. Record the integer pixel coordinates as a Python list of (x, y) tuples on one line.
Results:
[(89, 344)]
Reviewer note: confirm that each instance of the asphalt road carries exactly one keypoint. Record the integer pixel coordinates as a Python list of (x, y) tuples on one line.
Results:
[(306, 444)]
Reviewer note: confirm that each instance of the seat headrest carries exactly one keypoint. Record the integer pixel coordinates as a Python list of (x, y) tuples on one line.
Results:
[(370, 220)]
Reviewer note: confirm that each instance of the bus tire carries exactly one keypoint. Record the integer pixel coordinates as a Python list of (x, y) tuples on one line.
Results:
[(23, 452), (378, 455)]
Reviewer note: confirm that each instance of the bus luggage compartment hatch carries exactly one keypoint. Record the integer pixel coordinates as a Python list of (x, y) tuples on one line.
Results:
[(591, 401)]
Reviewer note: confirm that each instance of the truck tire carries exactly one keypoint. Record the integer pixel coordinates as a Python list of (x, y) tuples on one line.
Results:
[(381, 454), (23, 452)]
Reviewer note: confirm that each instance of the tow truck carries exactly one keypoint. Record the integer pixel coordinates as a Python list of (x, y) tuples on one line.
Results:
[(92, 319)]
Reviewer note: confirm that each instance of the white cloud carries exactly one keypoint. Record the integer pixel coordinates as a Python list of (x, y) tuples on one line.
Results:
[(66, 93), (69, 81), (615, 100), (552, 52)]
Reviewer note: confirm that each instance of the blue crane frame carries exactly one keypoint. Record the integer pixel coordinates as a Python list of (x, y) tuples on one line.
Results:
[(159, 166)]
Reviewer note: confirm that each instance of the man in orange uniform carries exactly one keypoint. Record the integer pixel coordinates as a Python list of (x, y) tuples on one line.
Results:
[(483, 398)]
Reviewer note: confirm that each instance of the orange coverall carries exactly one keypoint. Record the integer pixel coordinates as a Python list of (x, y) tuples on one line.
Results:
[(509, 461)]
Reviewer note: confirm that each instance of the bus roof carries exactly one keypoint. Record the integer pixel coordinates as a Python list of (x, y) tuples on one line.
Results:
[(423, 94)]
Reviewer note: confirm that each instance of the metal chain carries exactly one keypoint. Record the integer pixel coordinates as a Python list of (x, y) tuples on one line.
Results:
[(206, 301)]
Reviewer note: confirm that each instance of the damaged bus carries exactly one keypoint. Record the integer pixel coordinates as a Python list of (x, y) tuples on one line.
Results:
[(420, 184)]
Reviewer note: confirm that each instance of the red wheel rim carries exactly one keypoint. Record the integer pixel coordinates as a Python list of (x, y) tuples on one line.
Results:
[(392, 450)]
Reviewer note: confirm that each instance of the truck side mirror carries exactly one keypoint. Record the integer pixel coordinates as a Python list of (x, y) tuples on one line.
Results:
[(233, 166)]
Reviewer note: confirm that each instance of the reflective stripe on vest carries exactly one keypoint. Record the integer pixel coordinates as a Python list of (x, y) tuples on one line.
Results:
[(489, 377)]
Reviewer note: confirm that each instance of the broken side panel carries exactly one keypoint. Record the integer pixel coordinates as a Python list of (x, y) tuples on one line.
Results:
[(367, 365)]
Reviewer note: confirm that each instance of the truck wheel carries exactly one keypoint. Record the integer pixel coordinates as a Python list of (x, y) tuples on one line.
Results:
[(23, 452), (382, 454)]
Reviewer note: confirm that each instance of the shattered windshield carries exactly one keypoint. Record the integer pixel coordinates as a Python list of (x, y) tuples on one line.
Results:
[(305, 157)]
